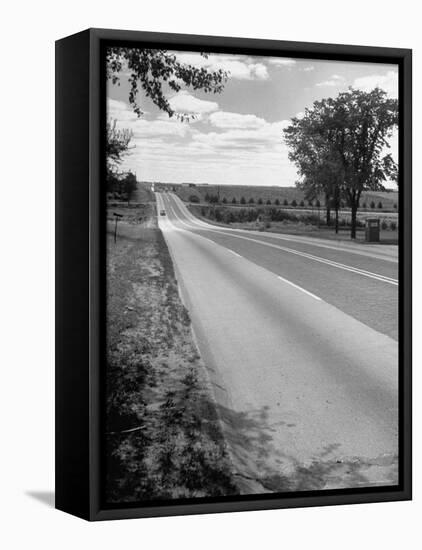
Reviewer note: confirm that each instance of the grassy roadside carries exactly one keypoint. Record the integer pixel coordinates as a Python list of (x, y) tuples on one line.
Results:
[(295, 223), (163, 435)]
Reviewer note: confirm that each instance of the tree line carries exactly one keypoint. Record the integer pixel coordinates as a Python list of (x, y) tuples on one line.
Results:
[(214, 199)]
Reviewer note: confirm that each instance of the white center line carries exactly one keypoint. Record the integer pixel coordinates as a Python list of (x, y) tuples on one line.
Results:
[(331, 263), (299, 288), (170, 207)]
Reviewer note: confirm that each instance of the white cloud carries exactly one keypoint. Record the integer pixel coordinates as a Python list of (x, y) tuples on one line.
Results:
[(260, 71), (266, 135), (388, 82), (239, 67), (335, 80), (202, 163), (223, 119), (120, 111), (282, 61), (160, 128), (207, 160), (308, 69), (242, 148), (184, 102), (141, 126)]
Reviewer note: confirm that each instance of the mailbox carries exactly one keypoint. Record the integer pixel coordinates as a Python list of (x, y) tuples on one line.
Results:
[(372, 230)]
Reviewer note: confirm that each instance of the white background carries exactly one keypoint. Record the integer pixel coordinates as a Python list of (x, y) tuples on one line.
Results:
[(27, 36)]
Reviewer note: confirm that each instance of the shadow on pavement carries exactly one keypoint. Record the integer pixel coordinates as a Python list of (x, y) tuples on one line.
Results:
[(263, 467)]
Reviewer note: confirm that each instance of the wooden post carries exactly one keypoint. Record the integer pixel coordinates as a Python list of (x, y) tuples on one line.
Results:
[(116, 216)]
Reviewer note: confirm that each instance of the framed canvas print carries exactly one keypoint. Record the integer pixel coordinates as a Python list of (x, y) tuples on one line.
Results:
[(233, 274)]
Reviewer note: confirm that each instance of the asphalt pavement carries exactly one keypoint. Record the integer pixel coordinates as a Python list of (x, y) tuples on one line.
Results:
[(300, 341)]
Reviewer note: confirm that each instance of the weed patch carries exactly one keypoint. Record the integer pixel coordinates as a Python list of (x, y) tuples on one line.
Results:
[(163, 435)]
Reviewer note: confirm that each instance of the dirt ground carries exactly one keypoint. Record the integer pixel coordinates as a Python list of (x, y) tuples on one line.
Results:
[(163, 435)]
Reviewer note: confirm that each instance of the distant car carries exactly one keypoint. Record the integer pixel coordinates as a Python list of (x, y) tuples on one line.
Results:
[(162, 212)]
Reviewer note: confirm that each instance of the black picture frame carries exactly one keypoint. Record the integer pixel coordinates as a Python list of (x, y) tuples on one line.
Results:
[(80, 104)]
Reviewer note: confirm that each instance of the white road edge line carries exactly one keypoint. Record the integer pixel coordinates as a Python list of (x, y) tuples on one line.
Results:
[(300, 288), (171, 209), (179, 202), (280, 236), (170, 206), (236, 254), (359, 271)]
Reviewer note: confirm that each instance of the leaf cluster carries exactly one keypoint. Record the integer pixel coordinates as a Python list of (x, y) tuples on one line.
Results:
[(155, 71), (117, 143)]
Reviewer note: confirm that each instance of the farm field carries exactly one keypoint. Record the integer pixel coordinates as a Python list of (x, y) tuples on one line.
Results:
[(388, 199)]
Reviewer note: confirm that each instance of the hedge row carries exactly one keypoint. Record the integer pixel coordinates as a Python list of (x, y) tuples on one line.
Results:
[(229, 215)]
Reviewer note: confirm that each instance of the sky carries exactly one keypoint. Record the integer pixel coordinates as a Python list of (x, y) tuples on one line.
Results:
[(236, 136)]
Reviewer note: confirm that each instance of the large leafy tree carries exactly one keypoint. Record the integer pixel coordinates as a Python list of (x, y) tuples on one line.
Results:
[(117, 143), (352, 132), (157, 72), (129, 185), (317, 162)]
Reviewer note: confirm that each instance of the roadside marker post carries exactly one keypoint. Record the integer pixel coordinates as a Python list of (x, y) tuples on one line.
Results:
[(372, 230), (116, 217)]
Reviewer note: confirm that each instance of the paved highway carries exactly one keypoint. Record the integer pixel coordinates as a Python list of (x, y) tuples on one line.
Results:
[(299, 336)]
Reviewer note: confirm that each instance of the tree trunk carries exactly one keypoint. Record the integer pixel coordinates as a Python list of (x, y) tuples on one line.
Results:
[(328, 209), (328, 215), (354, 207), (336, 204)]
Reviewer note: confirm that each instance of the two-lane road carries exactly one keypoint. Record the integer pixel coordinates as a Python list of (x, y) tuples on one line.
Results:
[(299, 338)]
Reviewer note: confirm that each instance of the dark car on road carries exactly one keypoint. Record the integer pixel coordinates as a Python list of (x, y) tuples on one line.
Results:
[(162, 212)]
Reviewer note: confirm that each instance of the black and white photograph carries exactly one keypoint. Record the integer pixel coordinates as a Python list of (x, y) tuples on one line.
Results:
[(209, 239), (251, 206)]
